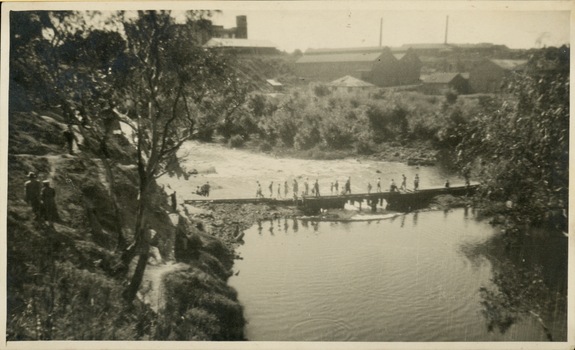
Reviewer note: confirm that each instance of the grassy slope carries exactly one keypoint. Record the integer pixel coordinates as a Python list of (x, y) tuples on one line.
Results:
[(65, 282)]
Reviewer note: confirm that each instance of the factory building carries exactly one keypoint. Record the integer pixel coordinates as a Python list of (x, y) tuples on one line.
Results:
[(489, 75), (376, 65)]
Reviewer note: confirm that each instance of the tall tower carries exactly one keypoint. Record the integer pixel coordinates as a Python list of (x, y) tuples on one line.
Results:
[(446, 28), (380, 30), (241, 27)]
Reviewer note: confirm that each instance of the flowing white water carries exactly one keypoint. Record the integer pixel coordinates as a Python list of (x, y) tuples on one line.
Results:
[(234, 173)]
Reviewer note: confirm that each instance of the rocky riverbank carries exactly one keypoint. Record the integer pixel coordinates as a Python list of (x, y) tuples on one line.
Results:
[(413, 153)]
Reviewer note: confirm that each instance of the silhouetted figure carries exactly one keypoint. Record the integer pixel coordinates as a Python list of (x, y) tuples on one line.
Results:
[(48, 197), (259, 193), (347, 186), (392, 186), (271, 187), (174, 202), (336, 187), (378, 186), (285, 189), (316, 188), (33, 188), (69, 138), (368, 187), (447, 183), (403, 182), (306, 187), (295, 187), (416, 182)]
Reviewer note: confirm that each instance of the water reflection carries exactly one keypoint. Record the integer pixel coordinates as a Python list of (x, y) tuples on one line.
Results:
[(529, 281), (388, 281)]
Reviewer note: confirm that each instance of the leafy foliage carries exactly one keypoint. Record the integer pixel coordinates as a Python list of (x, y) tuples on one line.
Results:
[(520, 149)]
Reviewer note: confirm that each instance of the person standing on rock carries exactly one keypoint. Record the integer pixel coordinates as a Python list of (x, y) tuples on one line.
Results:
[(279, 189), (33, 188), (206, 189), (368, 187), (403, 182), (416, 182), (48, 197), (174, 202), (69, 138), (259, 193), (379, 185), (316, 188), (348, 186), (336, 187), (331, 188), (306, 187), (271, 187)]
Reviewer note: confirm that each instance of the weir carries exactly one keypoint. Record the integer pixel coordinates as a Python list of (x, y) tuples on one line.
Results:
[(399, 200)]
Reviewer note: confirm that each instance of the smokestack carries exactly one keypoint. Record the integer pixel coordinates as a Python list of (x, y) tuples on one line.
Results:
[(446, 28), (241, 27), (380, 30)]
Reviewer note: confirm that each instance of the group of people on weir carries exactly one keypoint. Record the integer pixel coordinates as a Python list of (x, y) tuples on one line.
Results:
[(42, 198), (283, 190)]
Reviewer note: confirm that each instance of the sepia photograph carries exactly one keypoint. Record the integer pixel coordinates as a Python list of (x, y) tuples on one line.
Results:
[(286, 174)]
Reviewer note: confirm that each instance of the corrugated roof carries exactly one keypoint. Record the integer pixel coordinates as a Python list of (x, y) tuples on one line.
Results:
[(367, 49), (426, 46), (225, 42), (274, 82), (510, 64), (439, 78), (340, 57), (349, 81)]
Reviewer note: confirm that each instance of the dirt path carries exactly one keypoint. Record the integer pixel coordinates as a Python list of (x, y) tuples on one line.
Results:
[(152, 289)]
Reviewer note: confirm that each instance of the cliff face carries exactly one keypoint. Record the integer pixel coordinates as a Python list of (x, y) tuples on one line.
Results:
[(65, 280)]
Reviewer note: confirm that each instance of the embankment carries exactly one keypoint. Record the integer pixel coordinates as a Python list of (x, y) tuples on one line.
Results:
[(65, 280)]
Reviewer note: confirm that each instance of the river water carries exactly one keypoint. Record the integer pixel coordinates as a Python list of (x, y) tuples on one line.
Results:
[(402, 279), (407, 278)]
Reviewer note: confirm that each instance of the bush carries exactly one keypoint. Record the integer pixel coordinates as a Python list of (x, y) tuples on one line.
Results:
[(363, 146), (265, 146), (321, 90), (236, 141)]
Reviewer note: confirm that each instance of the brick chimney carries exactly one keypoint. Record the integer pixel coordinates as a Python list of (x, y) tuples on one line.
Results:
[(241, 27)]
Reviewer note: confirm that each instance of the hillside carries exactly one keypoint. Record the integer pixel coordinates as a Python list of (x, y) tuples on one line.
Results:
[(65, 280)]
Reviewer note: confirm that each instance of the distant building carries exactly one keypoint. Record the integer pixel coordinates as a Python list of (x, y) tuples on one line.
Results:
[(376, 65), (242, 46), (349, 84), (488, 76), (439, 83), (239, 32), (275, 85)]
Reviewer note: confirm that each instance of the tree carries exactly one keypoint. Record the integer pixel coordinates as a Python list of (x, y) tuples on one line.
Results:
[(172, 81), (145, 70), (520, 150)]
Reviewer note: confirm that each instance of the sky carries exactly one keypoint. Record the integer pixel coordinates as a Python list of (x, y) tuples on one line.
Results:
[(293, 27)]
